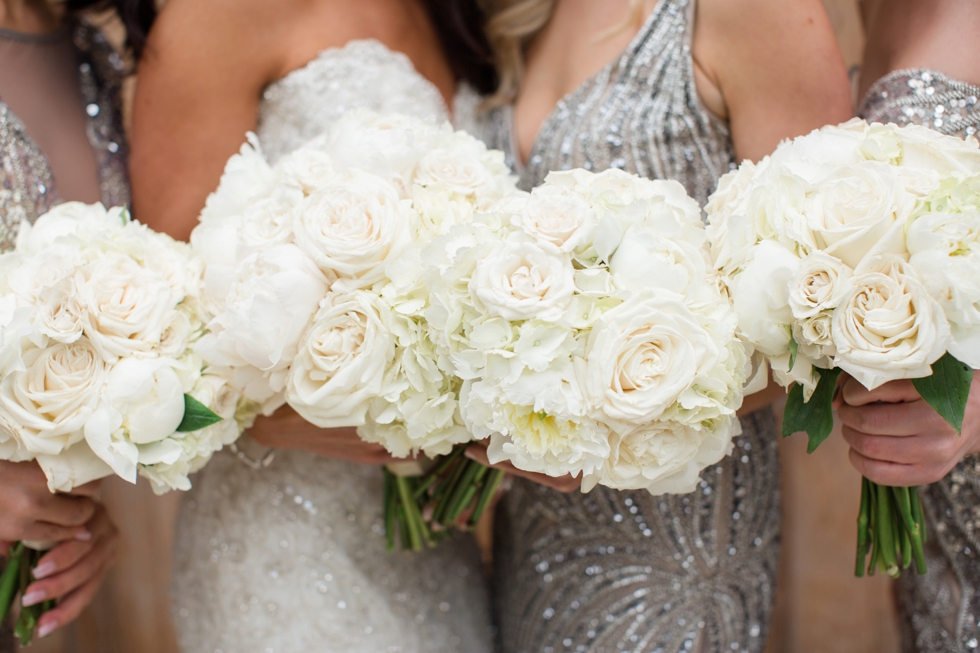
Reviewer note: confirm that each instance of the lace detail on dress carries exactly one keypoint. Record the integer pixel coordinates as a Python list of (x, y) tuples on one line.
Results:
[(941, 610), (363, 74), (291, 558), (27, 188), (616, 571)]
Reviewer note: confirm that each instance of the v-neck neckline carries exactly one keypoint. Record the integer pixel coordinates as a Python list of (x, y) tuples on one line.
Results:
[(521, 164)]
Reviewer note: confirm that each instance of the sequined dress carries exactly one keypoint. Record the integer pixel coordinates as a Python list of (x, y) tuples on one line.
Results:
[(290, 558), (27, 187), (614, 571), (940, 612)]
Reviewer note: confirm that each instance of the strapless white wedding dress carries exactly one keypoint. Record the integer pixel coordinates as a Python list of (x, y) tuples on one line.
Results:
[(290, 558)]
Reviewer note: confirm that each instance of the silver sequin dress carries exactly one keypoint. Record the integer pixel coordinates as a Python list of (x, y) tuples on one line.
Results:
[(27, 187), (614, 571), (290, 558), (940, 612)]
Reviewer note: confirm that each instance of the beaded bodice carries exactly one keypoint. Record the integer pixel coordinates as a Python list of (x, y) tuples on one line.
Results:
[(362, 74), (941, 611), (27, 187), (640, 113)]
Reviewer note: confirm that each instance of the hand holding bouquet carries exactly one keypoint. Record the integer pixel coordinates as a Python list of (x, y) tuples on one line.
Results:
[(857, 249)]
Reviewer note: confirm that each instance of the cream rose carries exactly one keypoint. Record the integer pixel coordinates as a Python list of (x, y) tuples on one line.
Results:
[(52, 398), (269, 220), (306, 169), (859, 211), (521, 281), (60, 315), (342, 360), (887, 327), (643, 354), (126, 306), (456, 170), (557, 219), (818, 285), (352, 226)]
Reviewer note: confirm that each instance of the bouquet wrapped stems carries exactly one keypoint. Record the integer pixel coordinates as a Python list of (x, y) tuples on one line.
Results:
[(891, 528), (13, 582), (424, 509)]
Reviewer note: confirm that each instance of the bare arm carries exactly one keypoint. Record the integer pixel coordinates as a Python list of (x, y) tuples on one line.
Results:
[(777, 66), (198, 93)]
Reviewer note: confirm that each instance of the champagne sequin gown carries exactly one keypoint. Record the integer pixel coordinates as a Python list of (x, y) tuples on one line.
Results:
[(290, 558), (74, 69), (940, 612), (613, 571)]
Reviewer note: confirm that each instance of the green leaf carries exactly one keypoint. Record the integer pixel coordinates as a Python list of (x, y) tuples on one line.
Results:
[(815, 417), (196, 416), (948, 389), (793, 349)]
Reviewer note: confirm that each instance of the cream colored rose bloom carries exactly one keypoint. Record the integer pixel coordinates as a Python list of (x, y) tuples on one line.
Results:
[(818, 285), (126, 306), (53, 397), (642, 355), (269, 221), (557, 219), (521, 281), (887, 327), (342, 360), (352, 226)]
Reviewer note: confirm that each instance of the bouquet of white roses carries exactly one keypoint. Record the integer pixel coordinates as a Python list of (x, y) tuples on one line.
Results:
[(313, 281), (857, 249), (590, 333), (97, 319)]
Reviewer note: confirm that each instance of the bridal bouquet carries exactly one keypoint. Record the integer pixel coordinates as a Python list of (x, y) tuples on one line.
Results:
[(98, 316), (857, 249), (313, 287), (590, 334)]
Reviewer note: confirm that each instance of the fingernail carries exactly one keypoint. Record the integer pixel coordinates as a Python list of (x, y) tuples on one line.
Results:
[(45, 570), (46, 629), (33, 598), (84, 536), (469, 454)]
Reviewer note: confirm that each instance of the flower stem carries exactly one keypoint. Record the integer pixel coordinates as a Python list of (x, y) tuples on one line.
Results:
[(9, 581), (864, 529), (886, 531), (487, 493)]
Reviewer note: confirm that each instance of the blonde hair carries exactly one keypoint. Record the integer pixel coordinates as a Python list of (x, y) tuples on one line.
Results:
[(511, 24)]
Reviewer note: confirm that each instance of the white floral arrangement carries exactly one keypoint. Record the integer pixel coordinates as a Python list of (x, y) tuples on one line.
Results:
[(98, 319), (313, 284), (856, 248), (590, 332)]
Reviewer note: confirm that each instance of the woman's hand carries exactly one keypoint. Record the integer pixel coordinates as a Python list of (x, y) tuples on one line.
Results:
[(897, 439), (287, 430), (72, 573), (29, 511), (566, 484)]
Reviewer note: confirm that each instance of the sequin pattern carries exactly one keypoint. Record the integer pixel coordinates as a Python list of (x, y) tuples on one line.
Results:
[(291, 557), (27, 188), (626, 571), (941, 610)]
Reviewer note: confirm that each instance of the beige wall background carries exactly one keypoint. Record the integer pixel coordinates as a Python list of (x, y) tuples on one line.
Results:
[(820, 606)]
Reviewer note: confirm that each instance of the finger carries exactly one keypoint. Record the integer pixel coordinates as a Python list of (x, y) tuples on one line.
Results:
[(897, 420), (44, 532), (65, 582), (855, 394), (64, 510), (911, 450), (894, 474), (71, 606), (63, 557)]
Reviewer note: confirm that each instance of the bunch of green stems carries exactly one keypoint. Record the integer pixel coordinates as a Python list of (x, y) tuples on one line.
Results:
[(891, 528), (13, 582)]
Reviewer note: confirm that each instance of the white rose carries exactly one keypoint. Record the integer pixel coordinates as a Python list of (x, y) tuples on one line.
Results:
[(307, 168), (52, 398), (859, 211), (926, 148), (945, 250), (29, 276), (887, 327), (60, 314), (353, 225), (522, 281), (342, 360), (663, 457), (643, 354), (268, 307), (269, 221), (760, 295), (456, 170), (818, 285), (16, 324), (247, 175), (645, 259), (65, 220), (558, 219), (126, 306)]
